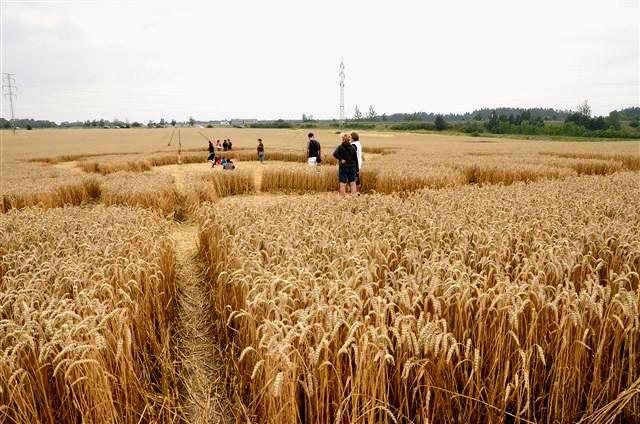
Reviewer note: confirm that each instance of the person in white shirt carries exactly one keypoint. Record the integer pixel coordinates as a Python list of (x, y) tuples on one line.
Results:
[(355, 141)]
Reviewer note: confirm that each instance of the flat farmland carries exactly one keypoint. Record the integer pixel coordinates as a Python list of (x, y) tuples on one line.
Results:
[(474, 280)]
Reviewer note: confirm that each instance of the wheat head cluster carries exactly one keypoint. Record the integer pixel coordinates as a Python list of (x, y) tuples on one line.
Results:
[(475, 304), (87, 300)]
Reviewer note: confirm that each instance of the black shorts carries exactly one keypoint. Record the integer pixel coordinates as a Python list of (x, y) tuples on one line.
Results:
[(347, 174)]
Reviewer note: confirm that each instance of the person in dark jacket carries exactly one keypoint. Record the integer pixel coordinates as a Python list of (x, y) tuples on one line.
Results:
[(347, 158), (225, 146), (313, 150), (260, 150), (212, 154)]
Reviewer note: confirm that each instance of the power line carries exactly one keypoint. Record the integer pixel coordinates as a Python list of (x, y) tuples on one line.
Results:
[(10, 80)]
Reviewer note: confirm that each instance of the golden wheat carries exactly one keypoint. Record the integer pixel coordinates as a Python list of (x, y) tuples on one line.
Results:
[(87, 302), (476, 304), (146, 190), (208, 186), (49, 192)]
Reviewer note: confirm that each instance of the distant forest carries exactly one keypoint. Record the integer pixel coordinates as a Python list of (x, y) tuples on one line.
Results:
[(479, 114), (547, 114), (484, 114)]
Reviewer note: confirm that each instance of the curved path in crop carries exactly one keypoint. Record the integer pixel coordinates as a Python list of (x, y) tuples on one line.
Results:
[(202, 368)]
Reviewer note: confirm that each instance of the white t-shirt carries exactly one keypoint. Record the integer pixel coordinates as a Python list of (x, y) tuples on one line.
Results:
[(359, 151)]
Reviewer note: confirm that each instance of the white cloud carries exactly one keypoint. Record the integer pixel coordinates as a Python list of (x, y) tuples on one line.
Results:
[(145, 60)]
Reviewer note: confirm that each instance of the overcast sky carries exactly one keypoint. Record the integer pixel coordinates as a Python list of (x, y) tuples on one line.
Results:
[(141, 60)]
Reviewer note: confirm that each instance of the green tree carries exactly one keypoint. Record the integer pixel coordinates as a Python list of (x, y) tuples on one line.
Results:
[(173, 122), (584, 109), (372, 114), (191, 121), (357, 115), (440, 123), (598, 123), (494, 123), (614, 120)]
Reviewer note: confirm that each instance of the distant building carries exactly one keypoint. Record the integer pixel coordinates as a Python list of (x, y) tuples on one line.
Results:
[(243, 122)]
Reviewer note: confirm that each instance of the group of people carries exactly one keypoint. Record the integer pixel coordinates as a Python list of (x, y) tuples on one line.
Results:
[(226, 144), (216, 158), (348, 154), (350, 161)]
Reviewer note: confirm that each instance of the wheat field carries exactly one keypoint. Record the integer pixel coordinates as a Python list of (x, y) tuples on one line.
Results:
[(474, 280), (87, 301), (438, 307)]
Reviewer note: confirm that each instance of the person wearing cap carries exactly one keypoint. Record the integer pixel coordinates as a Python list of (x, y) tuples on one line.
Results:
[(347, 158), (355, 141)]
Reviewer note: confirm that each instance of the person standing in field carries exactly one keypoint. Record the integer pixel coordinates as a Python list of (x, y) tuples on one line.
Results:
[(218, 150), (229, 144), (313, 150), (212, 154), (260, 150), (355, 142), (225, 146), (347, 158)]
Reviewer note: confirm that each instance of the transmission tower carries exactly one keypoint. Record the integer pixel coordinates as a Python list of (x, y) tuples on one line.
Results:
[(10, 80), (341, 91)]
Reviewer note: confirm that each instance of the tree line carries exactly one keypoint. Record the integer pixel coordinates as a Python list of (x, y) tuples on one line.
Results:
[(546, 114), (623, 123), (478, 114), (93, 123)]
